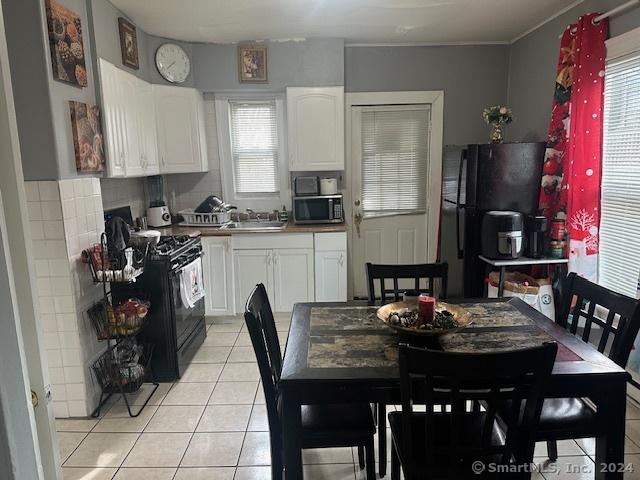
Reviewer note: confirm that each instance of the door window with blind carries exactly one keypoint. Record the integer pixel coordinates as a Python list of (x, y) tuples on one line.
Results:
[(251, 137), (619, 262), (395, 157)]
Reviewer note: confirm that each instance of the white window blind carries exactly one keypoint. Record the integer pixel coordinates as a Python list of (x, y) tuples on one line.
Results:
[(254, 148), (619, 260), (395, 154)]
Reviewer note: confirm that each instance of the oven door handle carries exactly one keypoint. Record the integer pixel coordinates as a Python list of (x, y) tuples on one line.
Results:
[(179, 269)]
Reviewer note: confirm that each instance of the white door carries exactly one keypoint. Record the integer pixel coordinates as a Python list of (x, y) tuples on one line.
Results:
[(390, 164), (315, 119), (331, 276), (250, 268), (218, 275), (293, 278)]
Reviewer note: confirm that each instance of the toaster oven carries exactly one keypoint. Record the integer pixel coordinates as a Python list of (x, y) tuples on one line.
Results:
[(306, 185), (318, 209)]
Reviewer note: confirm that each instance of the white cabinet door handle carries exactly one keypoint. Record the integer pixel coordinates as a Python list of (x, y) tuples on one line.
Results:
[(268, 258), (341, 259), (275, 258)]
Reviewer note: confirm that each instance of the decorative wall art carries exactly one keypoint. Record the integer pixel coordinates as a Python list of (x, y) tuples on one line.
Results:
[(128, 43), (252, 63), (65, 41), (87, 137)]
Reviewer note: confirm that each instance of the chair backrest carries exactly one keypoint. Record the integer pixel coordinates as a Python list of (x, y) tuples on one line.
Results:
[(258, 317), (511, 381), (423, 271), (616, 317)]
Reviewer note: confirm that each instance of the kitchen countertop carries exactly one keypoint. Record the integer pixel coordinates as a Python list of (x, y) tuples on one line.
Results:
[(221, 232)]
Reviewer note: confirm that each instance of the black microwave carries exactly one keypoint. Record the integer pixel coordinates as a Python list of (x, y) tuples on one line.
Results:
[(318, 209)]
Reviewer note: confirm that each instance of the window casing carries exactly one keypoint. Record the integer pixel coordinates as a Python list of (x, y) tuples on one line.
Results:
[(251, 138), (619, 259)]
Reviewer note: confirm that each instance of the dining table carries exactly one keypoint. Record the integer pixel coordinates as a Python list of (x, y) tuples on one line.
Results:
[(343, 353)]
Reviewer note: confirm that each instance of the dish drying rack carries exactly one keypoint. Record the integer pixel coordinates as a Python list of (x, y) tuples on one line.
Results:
[(196, 219), (126, 363)]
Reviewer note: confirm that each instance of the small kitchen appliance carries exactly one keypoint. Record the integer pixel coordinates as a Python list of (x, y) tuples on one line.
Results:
[(158, 214), (328, 186), (501, 234), (535, 229), (318, 209), (306, 185)]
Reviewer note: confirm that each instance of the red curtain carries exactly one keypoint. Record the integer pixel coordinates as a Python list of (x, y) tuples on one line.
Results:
[(573, 158)]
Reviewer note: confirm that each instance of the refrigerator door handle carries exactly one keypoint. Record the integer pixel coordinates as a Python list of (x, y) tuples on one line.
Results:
[(460, 206)]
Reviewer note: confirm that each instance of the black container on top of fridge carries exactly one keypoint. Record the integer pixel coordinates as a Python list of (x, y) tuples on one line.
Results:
[(504, 176)]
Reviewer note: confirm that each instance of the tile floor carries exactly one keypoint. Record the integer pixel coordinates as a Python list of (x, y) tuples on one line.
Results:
[(212, 425)]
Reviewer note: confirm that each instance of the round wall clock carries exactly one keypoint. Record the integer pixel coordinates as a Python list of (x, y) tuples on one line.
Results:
[(172, 62)]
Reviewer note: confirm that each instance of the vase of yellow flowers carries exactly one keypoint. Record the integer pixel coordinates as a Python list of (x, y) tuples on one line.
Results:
[(497, 116)]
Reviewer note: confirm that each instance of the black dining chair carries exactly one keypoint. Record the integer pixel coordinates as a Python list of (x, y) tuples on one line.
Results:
[(323, 426), (429, 272), (423, 276), (610, 321), (448, 443)]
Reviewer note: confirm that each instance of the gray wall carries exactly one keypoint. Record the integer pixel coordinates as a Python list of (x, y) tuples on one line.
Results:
[(472, 78), (313, 62), (42, 103), (106, 40), (533, 63), (30, 79)]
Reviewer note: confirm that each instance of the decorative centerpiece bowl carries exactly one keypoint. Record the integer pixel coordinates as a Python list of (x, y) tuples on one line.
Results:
[(461, 316)]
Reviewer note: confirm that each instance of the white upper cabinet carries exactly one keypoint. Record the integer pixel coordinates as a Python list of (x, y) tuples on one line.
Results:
[(129, 123), (315, 124), (113, 118), (148, 136), (145, 123), (181, 136)]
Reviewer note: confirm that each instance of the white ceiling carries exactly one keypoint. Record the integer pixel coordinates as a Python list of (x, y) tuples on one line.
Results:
[(357, 21)]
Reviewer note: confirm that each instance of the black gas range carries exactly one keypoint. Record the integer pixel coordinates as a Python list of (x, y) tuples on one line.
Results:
[(176, 330)]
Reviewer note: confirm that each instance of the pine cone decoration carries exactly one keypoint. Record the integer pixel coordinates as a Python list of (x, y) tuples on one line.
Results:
[(66, 56)]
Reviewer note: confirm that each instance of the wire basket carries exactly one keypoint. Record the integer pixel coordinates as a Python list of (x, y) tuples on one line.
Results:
[(123, 368), (108, 266), (213, 219), (120, 322)]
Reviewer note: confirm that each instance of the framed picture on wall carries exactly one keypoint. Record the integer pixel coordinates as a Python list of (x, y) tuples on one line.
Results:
[(65, 42), (252, 63), (87, 137), (128, 43)]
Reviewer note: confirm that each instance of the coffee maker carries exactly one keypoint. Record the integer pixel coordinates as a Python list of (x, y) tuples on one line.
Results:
[(158, 214), (535, 231)]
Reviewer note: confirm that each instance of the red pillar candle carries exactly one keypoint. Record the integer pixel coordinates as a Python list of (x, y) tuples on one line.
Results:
[(426, 308)]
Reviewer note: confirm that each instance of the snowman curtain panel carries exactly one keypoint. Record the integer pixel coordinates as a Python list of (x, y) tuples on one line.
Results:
[(573, 158)]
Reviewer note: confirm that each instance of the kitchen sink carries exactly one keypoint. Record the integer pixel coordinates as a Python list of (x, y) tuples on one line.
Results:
[(256, 225)]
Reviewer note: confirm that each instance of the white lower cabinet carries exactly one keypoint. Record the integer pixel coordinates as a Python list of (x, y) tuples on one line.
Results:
[(292, 278), (330, 266), (331, 276), (250, 268), (217, 266), (282, 262), (294, 268)]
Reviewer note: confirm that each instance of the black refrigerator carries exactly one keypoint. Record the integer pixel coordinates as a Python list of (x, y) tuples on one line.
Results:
[(503, 176)]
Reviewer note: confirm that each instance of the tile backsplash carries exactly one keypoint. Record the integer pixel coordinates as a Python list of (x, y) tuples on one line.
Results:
[(65, 217), (118, 192)]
